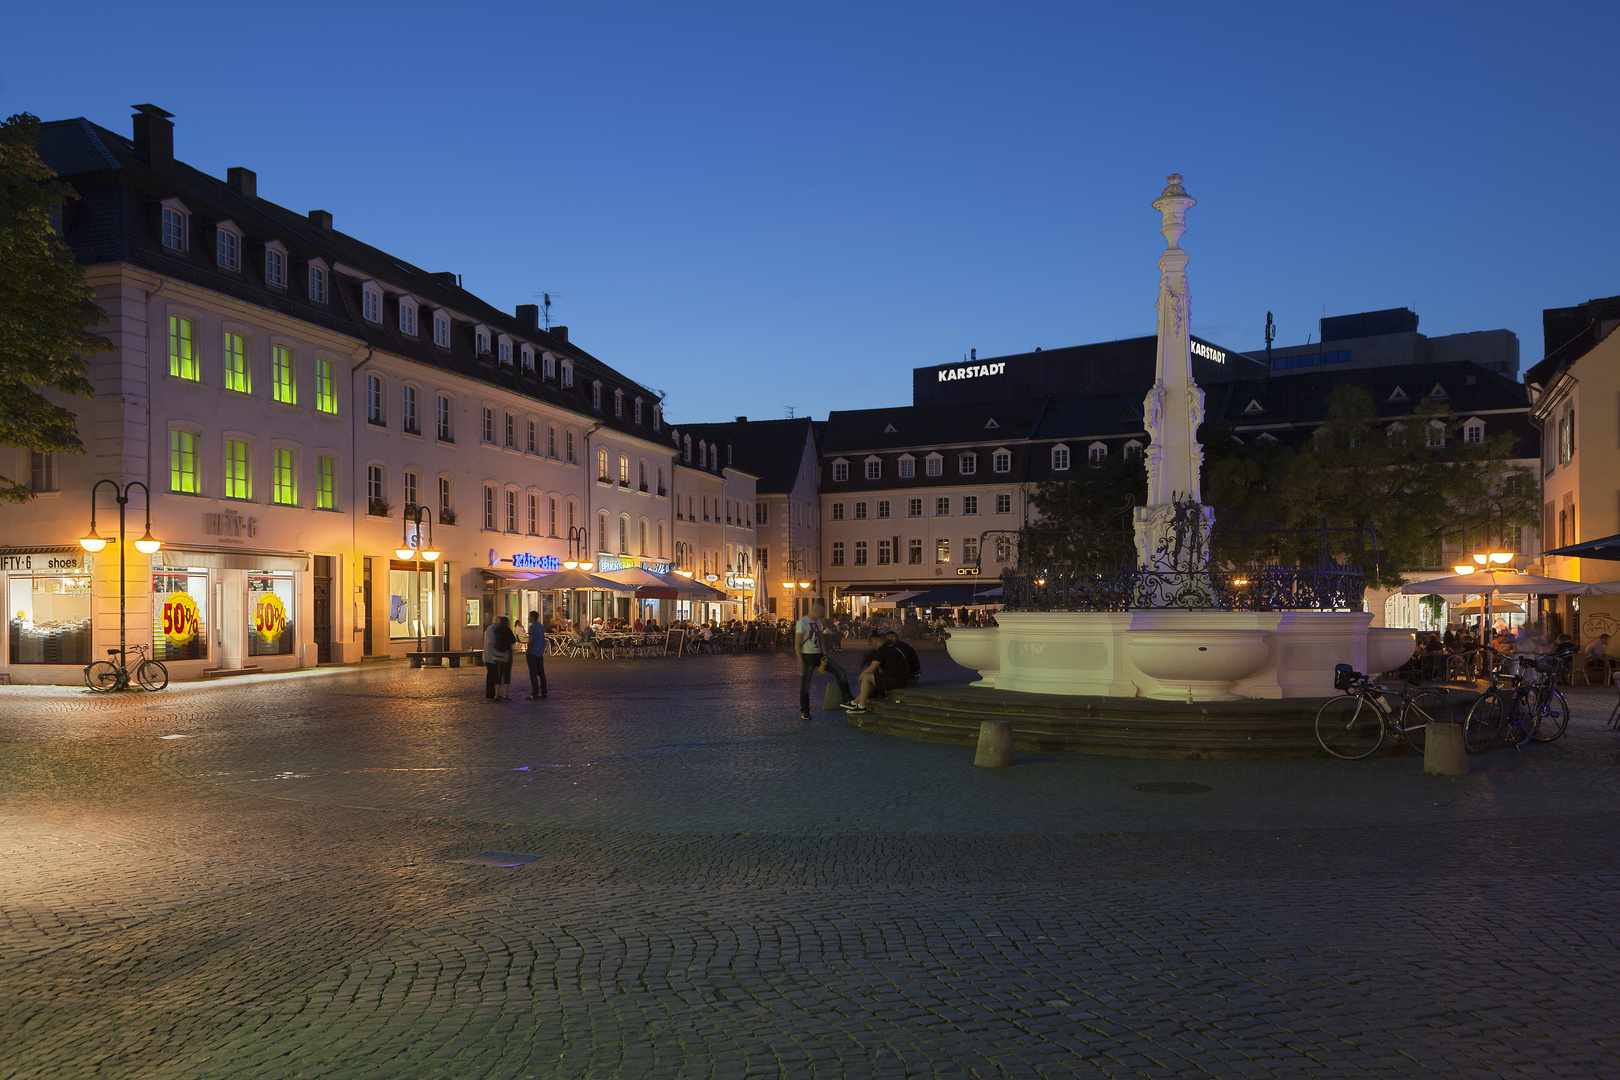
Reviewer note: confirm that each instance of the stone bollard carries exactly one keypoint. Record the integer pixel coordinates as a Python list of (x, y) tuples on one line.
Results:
[(995, 749), (832, 699), (1443, 751)]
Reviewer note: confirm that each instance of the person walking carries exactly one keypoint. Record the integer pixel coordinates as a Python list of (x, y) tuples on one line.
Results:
[(537, 656), (813, 655), (498, 642)]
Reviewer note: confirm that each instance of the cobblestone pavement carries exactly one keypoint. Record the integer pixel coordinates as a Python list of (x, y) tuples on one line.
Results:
[(260, 879)]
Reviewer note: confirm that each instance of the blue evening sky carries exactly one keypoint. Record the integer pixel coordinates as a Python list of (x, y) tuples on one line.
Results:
[(762, 206)]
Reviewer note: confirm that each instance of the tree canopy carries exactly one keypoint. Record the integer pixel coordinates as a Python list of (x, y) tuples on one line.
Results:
[(1360, 491), (46, 309)]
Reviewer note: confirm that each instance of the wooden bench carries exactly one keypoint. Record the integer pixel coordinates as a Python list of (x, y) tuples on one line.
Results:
[(476, 656)]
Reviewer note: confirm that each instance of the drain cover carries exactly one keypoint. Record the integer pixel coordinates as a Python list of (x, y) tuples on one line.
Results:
[(499, 858), (1173, 787)]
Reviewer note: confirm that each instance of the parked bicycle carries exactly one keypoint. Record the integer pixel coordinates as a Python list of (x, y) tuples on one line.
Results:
[(1518, 708), (105, 676), (1357, 724)]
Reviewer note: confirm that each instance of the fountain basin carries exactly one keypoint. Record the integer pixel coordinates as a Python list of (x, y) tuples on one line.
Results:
[(1197, 664), (1388, 647), (977, 648)]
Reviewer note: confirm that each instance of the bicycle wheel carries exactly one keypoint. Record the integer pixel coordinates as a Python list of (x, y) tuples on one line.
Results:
[(152, 675), (1552, 717), (101, 676), (1486, 719), (1423, 710), (1349, 727)]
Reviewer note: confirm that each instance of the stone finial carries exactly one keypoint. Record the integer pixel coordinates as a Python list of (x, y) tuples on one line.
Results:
[(1174, 188), (1173, 206)]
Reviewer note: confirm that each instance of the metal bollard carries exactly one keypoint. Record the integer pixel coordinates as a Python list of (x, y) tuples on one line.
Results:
[(995, 750), (1443, 751)]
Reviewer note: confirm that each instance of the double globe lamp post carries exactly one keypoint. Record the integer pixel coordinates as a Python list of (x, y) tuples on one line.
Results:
[(410, 549), (146, 545), (1487, 558)]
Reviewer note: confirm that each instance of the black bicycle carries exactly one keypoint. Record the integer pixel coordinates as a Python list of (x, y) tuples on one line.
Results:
[(1355, 725), (1518, 708), (105, 676)]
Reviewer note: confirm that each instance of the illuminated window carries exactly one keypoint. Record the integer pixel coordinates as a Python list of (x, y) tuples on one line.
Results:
[(183, 348), (183, 461), (325, 483), (238, 478), (325, 388), (237, 376), (283, 380), (286, 477)]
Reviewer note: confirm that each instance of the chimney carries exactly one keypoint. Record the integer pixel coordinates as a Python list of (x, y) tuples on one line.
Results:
[(323, 218), (742, 419), (528, 316), (560, 333), (243, 180), (446, 278), (154, 136)]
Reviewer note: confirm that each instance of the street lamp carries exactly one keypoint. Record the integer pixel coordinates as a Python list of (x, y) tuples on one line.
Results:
[(146, 545), (411, 548), (578, 538)]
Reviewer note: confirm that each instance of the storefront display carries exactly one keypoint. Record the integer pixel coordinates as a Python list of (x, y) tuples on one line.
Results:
[(179, 613), (272, 607), (50, 615), (412, 604)]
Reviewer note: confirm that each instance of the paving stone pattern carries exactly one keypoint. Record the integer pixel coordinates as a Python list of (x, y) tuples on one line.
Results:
[(724, 890)]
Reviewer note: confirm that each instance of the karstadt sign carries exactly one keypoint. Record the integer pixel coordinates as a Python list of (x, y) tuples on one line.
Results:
[(971, 371)]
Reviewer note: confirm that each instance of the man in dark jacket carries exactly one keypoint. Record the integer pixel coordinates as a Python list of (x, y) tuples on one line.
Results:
[(913, 661), (537, 656), (883, 669)]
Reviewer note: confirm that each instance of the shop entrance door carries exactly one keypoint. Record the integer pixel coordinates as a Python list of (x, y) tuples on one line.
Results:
[(323, 609), (365, 603)]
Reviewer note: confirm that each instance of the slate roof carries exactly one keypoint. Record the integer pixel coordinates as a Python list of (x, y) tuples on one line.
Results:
[(866, 430), (769, 449), (117, 219)]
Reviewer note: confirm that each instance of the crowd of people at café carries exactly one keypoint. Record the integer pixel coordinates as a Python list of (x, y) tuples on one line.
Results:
[(1457, 652)]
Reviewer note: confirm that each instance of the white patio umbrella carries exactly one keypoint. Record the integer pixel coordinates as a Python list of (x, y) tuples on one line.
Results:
[(1477, 607), (1495, 582)]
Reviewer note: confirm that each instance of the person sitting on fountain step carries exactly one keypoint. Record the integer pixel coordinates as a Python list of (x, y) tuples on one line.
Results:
[(883, 669), (913, 661)]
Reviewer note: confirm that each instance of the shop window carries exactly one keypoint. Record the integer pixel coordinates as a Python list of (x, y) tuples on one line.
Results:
[(50, 618), (180, 614), (272, 609)]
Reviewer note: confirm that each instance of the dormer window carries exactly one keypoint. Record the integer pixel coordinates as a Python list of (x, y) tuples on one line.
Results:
[(550, 365), (688, 453), (908, 466), (934, 465), (176, 225), (968, 464), (874, 468), (1133, 450), (1436, 435), (1096, 452), (1474, 431), (441, 329), (618, 403), (503, 348), (371, 302), (596, 394), (1001, 461), (480, 341), (407, 316), (526, 355), (317, 281), (567, 375), (638, 410), (658, 417), (1060, 458), (275, 265), (228, 246)]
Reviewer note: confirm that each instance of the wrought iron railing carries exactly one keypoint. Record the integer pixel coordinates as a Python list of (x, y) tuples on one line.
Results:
[(1270, 587)]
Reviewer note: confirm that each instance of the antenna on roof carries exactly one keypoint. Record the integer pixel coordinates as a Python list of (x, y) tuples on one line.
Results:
[(545, 306), (789, 410)]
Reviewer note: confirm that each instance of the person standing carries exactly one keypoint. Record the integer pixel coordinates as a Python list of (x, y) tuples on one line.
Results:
[(812, 653), (537, 656), (498, 642)]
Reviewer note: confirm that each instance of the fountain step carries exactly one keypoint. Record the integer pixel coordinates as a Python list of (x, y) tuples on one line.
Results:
[(1129, 727)]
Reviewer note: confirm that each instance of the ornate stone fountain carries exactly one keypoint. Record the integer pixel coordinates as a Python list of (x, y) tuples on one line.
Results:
[(1165, 629)]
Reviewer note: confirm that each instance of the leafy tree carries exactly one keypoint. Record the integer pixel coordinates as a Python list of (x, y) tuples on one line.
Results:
[(1363, 479), (1085, 517), (46, 309)]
